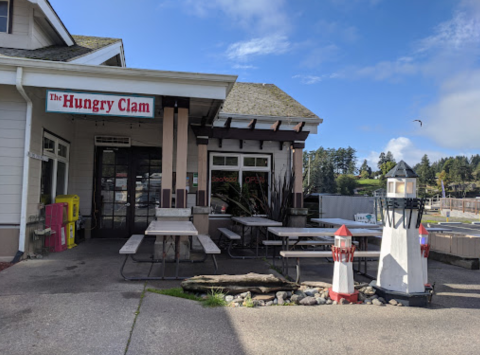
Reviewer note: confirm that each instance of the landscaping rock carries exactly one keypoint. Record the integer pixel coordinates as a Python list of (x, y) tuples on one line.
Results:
[(246, 294), (282, 294), (343, 301), (229, 298), (368, 291), (317, 295), (300, 293), (329, 301), (369, 302), (296, 299), (376, 302), (334, 303), (320, 300), (264, 298), (269, 303), (400, 304), (382, 300), (393, 302), (325, 294), (361, 296), (308, 301), (280, 301)]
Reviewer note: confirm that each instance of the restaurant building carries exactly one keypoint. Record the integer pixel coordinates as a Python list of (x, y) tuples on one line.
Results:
[(75, 120)]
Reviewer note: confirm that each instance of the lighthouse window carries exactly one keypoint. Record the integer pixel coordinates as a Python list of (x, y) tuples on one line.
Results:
[(390, 187), (400, 188), (409, 187)]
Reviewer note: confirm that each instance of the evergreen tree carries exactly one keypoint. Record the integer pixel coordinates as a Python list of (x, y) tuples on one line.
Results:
[(365, 169), (389, 157), (425, 172), (382, 159)]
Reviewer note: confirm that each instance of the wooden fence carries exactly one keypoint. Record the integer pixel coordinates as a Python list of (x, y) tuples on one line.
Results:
[(470, 205)]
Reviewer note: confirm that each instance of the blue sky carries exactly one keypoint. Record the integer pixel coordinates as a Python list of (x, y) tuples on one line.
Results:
[(367, 67)]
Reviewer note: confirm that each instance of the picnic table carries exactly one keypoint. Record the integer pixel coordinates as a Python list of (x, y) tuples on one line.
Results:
[(288, 233), (171, 230), (338, 222), (257, 223)]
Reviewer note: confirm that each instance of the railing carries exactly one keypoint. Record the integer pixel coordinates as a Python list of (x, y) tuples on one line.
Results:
[(469, 205)]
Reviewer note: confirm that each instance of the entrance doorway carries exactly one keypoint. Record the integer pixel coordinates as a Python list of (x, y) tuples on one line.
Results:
[(127, 190)]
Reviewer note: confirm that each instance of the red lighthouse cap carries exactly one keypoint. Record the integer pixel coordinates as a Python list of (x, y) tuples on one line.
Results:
[(422, 230), (343, 232)]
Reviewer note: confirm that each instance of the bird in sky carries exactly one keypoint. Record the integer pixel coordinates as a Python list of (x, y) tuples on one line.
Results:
[(421, 124)]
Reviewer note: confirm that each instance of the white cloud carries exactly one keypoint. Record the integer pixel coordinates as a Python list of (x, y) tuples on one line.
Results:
[(244, 50), (454, 120), (403, 148), (261, 17), (308, 79), (388, 69), (461, 32), (244, 67)]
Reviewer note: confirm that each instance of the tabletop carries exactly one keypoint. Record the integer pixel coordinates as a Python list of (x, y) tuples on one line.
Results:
[(257, 222), (171, 228), (347, 222), (320, 232)]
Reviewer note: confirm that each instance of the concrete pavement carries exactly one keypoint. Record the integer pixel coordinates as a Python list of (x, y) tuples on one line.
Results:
[(75, 302)]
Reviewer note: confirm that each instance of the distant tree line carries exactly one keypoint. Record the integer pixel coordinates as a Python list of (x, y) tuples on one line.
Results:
[(331, 170)]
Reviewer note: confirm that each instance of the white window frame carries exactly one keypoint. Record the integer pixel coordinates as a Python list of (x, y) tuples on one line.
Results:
[(9, 3), (57, 158), (240, 168)]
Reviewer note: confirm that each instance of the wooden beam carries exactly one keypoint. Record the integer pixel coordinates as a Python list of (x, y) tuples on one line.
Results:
[(228, 122), (248, 134), (299, 127), (276, 126), (252, 124)]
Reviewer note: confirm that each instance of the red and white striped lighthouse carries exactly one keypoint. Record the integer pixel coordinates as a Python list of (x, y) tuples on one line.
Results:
[(343, 251), (424, 250)]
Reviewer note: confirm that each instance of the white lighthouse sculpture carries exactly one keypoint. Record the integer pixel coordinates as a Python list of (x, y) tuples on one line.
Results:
[(400, 272), (343, 252)]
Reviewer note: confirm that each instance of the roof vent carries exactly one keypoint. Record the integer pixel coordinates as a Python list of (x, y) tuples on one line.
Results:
[(111, 141)]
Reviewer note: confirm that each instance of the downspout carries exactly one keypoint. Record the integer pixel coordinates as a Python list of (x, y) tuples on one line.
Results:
[(26, 166)]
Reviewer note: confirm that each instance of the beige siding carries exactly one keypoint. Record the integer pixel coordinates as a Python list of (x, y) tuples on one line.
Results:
[(59, 124), (22, 16), (40, 38), (12, 132)]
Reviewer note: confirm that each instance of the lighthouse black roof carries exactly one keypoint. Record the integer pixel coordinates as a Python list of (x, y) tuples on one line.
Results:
[(402, 170)]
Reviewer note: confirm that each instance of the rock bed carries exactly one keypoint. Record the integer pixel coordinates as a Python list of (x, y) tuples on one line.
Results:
[(306, 295)]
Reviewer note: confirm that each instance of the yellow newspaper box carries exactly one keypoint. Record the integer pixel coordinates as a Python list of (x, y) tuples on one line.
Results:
[(70, 229), (73, 205)]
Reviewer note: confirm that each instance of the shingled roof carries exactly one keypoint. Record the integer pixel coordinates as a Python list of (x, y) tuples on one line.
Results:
[(401, 170), (83, 45), (263, 100)]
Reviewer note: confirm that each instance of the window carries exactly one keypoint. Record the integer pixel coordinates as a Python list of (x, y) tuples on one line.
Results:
[(54, 180), (4, 9), (232, 175)]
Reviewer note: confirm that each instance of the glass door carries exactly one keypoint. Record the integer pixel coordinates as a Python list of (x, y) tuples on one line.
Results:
[(147, 173), (112, 193), (127, 191)]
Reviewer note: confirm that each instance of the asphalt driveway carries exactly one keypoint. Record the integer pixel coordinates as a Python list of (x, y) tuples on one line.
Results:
[(75, 302)]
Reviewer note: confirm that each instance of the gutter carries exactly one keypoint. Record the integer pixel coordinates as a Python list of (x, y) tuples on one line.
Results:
[(26, 166)]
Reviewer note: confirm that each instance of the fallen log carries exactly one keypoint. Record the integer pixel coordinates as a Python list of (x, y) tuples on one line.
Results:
[(255, 283)]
